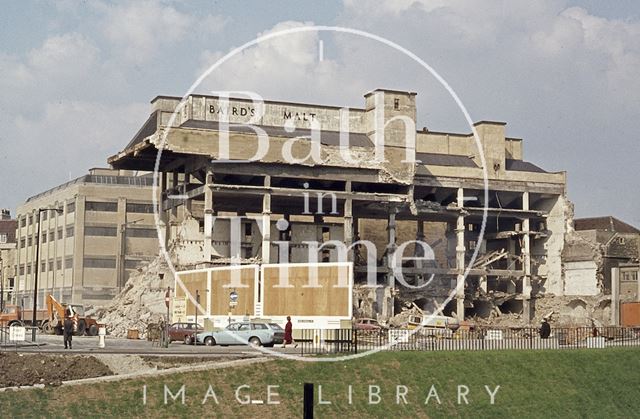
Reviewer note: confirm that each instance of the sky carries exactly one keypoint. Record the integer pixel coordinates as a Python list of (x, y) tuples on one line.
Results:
[(77, 76)]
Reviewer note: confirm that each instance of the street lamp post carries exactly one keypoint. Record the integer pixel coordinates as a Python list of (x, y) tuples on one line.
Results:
[(35, 279)]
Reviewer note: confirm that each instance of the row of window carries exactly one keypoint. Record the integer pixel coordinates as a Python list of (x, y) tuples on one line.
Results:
[(91, 206), (48, 265), (101, 231), (31, 218), (46, 236), (89, 262)]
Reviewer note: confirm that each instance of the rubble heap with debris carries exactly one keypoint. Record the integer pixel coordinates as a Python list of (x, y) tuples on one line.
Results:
[(140, 302)]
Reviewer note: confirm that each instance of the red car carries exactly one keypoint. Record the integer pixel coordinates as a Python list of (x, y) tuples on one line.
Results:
[(367, 324), (184, 332)]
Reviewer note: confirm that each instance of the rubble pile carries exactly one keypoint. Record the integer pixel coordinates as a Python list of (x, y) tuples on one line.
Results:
[(141, 301), (402, 319)]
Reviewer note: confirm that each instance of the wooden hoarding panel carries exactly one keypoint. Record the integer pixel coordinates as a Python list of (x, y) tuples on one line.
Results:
[(219, 295), (301, 300), (193, 281), (630, 314)]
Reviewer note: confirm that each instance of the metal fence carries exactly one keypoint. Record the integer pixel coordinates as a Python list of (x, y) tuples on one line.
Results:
[(335, 341)]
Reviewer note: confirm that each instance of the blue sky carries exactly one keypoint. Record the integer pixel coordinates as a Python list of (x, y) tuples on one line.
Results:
[(77, 77)]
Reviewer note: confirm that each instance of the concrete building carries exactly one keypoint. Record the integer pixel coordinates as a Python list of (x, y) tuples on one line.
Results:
[(7, 255), (601, 259), (421, 185), (103, 230)]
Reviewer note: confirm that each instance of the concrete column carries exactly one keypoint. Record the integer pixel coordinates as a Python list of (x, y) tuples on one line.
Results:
[(615, 296), (208, 216), (174, 186), (418, 252), (164, 216), (187, 203), (391, 249), (483, 283), (78, 251), (526, 261), (348, 221), (122, 243), (266, 221), (460, 262)]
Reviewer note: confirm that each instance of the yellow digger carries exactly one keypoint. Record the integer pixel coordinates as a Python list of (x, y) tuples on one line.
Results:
[(57, 312)]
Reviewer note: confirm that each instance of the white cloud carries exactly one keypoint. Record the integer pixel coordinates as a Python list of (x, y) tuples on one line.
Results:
[(286, 67), (144, 29)]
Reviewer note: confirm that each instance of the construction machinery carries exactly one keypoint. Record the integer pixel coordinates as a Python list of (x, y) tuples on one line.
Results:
[(14, 315), (57, 312)]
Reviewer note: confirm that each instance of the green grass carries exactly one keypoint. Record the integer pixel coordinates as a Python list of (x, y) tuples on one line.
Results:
[(576, 383)]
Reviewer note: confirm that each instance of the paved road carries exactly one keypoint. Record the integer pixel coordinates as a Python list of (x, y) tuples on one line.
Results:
[(89, 344)]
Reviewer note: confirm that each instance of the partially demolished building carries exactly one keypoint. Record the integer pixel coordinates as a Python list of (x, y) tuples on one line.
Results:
[(321, 176)]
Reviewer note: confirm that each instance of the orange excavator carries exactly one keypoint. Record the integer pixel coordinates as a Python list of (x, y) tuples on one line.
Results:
[(57, 312)]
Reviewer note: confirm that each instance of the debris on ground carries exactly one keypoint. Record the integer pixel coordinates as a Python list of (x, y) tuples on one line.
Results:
[(141, 301), (18, 369)]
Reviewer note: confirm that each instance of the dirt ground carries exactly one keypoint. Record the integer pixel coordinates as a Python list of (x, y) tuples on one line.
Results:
[(29, 369)]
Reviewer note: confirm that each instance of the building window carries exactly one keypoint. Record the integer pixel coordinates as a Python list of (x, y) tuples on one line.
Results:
[(68, 262), (52, 235), (59, 233), (140, 208), (102, 206), (29, 269), (100, 231), (71, 207), (621, 240), (70, 231), (629, 276), (59, 263), (3, 237), (21, 270), (97, 262), (29, 241), (44, 237), (132, 264), (396, 104), (44, 215), (142, 232), (50, 265), (23, 221), (30, 219), (43, 266), (22, 243)]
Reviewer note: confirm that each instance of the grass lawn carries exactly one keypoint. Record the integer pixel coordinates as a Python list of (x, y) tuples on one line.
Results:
[(569, 383)]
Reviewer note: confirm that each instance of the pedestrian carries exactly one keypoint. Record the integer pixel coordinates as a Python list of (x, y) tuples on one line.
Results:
[(288, 334), (545, 329), (67, 332)]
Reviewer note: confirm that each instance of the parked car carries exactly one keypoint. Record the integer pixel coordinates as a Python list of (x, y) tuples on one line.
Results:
[(184, 332), (253, 333), (367, 324)]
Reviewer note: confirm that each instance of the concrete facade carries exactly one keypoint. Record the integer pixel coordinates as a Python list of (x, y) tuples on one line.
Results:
[(104, 231), (7, 255), (389, 182)]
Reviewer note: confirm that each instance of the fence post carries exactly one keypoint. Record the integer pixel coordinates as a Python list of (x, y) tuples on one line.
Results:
[(355, 340)]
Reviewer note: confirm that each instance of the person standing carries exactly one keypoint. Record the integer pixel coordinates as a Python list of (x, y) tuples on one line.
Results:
[(67, 332), (288, 334), (545, 329)]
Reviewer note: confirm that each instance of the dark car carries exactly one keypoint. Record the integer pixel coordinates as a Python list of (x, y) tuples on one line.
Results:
[(184, 332)]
